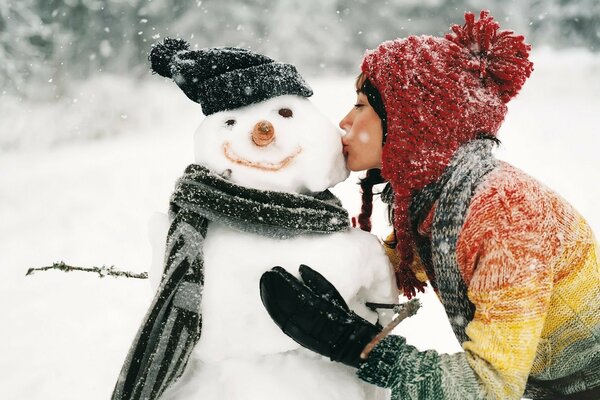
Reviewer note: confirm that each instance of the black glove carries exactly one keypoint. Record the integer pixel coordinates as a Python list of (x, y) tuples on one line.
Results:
[(314, 314)]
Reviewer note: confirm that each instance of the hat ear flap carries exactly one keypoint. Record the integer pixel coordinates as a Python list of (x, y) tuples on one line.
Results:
[(161, 55)]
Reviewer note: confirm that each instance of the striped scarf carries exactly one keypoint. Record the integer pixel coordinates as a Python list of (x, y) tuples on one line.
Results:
[(173, 324), (453, 192)]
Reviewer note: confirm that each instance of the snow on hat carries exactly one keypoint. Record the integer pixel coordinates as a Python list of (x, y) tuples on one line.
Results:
[(225, 78), (440, 93)]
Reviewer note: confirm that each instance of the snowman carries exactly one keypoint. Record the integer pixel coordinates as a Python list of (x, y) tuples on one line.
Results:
[(255, 198)]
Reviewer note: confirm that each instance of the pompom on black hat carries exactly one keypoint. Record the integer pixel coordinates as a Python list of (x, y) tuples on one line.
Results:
[(225, 78)]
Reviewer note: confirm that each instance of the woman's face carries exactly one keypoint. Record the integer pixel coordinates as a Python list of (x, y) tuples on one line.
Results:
[(362, 141)]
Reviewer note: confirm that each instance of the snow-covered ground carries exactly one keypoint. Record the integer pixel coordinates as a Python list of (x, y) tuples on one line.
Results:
[(64, 336)]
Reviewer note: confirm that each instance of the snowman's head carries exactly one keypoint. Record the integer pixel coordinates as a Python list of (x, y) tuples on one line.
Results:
[(260, 130), (284, 144)]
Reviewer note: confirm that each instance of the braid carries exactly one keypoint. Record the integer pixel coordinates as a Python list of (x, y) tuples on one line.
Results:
[(372, 178)]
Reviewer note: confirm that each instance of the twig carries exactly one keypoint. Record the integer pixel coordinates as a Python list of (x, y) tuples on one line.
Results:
[(102, 271), (403, 311)]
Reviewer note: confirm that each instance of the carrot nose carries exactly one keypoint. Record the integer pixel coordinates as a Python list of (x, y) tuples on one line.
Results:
[(263, 133)]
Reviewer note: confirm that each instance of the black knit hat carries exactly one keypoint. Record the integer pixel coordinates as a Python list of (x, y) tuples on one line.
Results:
[(225, 78)]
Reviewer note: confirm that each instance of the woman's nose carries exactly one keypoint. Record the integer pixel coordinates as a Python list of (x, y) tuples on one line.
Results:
[(345, 123)]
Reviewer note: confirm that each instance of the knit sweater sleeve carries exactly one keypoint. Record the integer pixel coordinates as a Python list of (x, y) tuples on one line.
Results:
[(506, 261)]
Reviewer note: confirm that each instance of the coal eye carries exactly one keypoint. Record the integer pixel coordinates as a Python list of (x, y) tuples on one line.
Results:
[(286, 113), (230, 122)]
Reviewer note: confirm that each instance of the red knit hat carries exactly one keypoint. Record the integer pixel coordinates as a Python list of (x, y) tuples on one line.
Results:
[(440, 93)]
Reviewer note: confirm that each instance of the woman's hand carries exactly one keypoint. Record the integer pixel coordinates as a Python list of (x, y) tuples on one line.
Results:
[(314, 314)]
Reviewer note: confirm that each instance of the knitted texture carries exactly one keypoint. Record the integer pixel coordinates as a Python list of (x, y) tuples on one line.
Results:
[(440, 93), (225, 78), (471, 163), (529, 264), (173, 324)]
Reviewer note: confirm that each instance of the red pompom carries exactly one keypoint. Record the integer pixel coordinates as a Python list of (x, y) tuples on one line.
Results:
[(498, 56)]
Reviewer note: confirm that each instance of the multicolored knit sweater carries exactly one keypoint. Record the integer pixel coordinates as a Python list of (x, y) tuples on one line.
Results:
[(530, 267)]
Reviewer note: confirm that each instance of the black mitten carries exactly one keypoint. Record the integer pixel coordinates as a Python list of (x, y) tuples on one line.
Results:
[(314, 314)]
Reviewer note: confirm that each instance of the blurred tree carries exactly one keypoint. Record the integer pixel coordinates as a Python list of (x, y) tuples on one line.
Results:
[(566, 23), (64, 40), (314, 42), (90, 36), (22, 35)]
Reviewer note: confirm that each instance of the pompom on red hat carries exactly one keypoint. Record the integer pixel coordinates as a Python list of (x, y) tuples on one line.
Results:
[(440, 93)]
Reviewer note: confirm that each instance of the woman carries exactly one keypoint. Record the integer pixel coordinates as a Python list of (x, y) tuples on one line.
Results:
[(514, 265)]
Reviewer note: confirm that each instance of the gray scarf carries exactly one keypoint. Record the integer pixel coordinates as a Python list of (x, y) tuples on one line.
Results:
[(453, 193), (173, 324)]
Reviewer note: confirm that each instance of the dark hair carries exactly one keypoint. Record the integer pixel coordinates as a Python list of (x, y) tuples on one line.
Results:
[(365, 86), (372, 178), (488, 136)]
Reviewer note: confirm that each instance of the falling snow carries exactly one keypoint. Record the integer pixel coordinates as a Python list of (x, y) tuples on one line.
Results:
[(88, 157)]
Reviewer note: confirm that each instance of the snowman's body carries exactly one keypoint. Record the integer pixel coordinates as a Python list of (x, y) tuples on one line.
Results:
[(242, 354)]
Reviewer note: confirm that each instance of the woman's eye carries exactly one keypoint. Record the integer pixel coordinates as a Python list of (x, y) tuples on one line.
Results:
[(286, 113), (358, 105), (230, 122)]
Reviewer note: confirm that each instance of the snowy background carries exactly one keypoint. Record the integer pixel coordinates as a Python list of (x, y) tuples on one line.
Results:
[(84, 163)]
